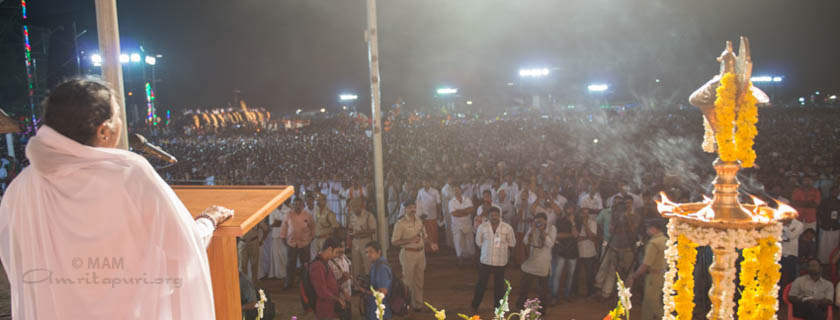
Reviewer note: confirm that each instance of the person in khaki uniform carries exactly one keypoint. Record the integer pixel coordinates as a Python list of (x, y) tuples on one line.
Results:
[(654, 265), (248, 249), (362, 228), (410, 234), (325, 222)]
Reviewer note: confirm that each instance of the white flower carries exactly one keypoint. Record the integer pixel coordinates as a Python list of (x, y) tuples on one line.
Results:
[(624, 296), (524, 313)]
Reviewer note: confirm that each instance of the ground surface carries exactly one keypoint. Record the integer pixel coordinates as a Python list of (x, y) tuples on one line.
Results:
[(450, 287)]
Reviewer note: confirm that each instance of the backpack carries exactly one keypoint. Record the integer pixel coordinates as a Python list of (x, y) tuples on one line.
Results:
[(308, 296), (399, 298)]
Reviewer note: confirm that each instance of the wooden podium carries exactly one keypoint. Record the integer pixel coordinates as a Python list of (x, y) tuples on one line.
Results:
[(251, 204)]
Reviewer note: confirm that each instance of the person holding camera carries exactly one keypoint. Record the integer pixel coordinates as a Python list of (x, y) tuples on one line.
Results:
[(540, 238), (330, 303)]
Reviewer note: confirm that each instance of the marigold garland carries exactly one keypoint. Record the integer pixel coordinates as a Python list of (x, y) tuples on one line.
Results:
[(725, 113), (759, 276), (745, 135), (684, 286), (736, 119)]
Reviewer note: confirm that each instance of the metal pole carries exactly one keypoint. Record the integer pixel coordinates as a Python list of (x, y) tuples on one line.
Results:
[(76, 50), (373, 63), (109, 47)]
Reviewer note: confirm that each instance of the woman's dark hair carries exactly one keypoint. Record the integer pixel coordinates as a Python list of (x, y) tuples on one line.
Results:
[(76, 107), (374, 245)]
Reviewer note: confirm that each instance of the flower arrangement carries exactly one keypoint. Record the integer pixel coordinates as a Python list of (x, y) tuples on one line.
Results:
[(759, 276), (530, 312), (735, 112), (622, 308), (759, 270)]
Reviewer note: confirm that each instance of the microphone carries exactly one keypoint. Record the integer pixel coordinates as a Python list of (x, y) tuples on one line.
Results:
[(139, 143)]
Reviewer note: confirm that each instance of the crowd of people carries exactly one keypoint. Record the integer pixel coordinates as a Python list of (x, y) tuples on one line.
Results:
[(567, 198), (575, 188)]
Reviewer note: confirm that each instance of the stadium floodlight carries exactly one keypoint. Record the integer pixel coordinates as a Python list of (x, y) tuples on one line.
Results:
[(777, 79), (96, 60), (541, 72), (135, 57), (124, 58), (597, 87), (151, 60), (762, 79), (348, 97), (447, 91)]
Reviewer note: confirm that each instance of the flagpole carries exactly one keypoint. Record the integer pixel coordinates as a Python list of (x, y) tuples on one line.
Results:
[(371, 35)]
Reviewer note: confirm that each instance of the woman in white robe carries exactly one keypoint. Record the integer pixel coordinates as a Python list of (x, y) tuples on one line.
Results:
[(88, 231)]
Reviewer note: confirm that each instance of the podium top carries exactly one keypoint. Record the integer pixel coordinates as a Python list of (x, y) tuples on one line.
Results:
[(251, 204)]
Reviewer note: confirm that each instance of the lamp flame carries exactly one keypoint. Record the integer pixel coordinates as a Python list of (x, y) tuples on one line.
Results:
[(784, 211), (666, 205), (758, 202)]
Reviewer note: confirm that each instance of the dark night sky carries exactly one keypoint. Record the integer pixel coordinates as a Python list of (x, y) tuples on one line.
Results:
[(302, 53)]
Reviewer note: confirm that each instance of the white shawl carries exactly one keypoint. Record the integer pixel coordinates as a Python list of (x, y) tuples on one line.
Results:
[(95, 233)]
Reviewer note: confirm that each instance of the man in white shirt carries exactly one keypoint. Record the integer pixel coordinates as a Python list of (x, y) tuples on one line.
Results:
[(428, 208), (495, 238), (591, 199), (547, 206), (540, 238), (334, 198), (461, 209), (481, 210), (810, 294), (446, 195), (587, 254), (487, 186), (279, 250), (511, 187), (505, 203), (791, 231)]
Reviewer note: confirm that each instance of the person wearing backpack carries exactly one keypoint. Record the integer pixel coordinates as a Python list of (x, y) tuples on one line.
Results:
[(328, 301), (380, 280)]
